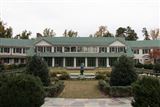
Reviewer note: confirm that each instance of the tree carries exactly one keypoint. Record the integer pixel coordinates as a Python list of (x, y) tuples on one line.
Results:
[(5, 32), (48, 32), (128, 33), (123, 73), (131, 34), (146, 92), (103, 32), (155, 55), (70, 33), (156, 67), (120, 32), (145, 33), (37, 67), (24, 35), (21, 91), (155, 33)]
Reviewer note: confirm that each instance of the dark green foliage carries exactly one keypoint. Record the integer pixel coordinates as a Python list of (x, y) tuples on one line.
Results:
[(64, 76), (123, 73), (139, 65), (148, 66), (156, 68), (37, 67), (100, 75), (1, 67), (21, 91), (5, 32), (128, 33), (115, 91), (54, 89), (146, 92), (120, 91)]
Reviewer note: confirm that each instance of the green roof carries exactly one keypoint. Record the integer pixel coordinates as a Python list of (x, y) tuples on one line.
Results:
[(144, 43), (80, 40), (16, 42), (88, 41)]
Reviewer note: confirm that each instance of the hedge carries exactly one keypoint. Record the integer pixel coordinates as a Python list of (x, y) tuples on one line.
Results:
[(62, 75), (21, 91), (115, 91), (54, 89)]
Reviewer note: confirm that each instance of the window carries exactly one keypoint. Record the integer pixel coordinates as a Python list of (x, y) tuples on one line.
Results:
[(136, 51), (102, 49), (22, 61), (113, 49), (57, 49), (79, 49), (66, 49), (6, 60), (6, 50), (40, 49), (146, 51), (73, 49), (16, 60), (24, 50), (121, 49), (49, 49)]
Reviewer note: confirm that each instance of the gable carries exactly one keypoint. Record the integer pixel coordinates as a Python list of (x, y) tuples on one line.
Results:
[(43, 43), (117, 43)]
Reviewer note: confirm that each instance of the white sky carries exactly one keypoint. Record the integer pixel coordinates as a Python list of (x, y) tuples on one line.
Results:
[(83, 16)]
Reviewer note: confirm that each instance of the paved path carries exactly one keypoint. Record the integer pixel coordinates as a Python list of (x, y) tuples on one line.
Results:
[(107, 102)]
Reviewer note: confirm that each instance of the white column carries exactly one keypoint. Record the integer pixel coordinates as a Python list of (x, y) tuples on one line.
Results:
[(74, 62), (63, 49), (53, 62), (107, 49), (64, 62), (96, 62), (52, 49), (97, 49), (86, 63), (107, 61)]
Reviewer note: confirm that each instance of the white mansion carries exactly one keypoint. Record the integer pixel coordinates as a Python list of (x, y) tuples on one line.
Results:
[(72, 51)]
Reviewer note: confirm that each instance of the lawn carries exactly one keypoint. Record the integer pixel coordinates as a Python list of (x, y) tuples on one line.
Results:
[(60, 69), (81, 89)]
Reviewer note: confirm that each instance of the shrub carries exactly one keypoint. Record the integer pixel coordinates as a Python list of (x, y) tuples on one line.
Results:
[(100, 76), (139, 65), (115, 91), (148, 66), (123, 73), (54, 89), (37, 67), (120, 91), (21, 91), (146, 92), (156, 68), (64, 76), (1, 67)]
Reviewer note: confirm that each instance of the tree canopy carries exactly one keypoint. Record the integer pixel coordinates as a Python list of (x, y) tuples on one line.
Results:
[(128, 33), (5, 32), (24, 35), (70, 33), (103, 32), (48, 32), (123, 73), (145, 34)]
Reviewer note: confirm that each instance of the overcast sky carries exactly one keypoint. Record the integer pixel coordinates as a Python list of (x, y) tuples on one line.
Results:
[(83, 16)]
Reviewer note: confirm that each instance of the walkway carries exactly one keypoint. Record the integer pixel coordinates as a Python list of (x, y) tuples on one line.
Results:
[(107, 102)]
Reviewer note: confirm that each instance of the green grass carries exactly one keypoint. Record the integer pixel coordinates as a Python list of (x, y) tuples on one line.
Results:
[(77, 71), (81, 89)]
